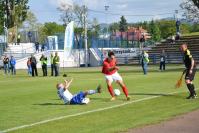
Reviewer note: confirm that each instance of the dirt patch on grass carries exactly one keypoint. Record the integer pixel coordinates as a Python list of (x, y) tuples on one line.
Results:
[(187, 123)]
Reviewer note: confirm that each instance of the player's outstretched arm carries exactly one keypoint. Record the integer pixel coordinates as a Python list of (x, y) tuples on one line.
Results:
[(67, 83)]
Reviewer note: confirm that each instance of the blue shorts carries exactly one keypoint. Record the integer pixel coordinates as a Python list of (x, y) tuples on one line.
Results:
[(77, 98)]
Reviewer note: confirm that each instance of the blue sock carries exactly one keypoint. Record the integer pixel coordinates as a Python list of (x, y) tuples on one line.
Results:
[(90, 92)]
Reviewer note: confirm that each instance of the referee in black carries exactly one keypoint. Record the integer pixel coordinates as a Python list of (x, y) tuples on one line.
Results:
[(190, 70)]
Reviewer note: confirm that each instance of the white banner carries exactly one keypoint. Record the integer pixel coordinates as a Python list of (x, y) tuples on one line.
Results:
[(68, 39)]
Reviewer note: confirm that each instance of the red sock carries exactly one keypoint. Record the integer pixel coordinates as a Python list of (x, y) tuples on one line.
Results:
[(110, 89), (125, 90)]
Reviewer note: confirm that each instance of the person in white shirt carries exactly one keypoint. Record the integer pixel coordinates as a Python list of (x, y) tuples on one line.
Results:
[(79, 98)]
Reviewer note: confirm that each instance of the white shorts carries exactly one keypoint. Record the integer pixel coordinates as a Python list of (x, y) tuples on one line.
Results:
[(114, 77)]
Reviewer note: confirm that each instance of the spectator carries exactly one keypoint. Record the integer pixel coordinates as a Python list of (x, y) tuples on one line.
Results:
[(52, 65), (29, 67), (42, 47), (177, 36), (33, 65), (56, 64), (43, 60), (162, 61), (6, 64), (18, 39), (145, 61), (142, 41), (37, 47), (12, 65)]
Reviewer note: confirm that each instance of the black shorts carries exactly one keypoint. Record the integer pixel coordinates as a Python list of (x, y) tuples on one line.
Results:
[(190, 76)]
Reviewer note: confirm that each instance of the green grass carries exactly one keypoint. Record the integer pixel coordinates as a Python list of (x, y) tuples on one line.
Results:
[(191, 34), (26, 100)]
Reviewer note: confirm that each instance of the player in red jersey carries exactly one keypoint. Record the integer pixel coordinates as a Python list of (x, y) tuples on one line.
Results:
[(110, 71)]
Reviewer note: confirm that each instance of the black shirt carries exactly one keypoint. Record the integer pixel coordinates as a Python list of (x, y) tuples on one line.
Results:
[(188, 59), (5, 60)]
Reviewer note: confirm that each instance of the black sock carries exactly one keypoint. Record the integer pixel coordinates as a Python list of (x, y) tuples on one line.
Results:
[(193, 89), (189, 86)]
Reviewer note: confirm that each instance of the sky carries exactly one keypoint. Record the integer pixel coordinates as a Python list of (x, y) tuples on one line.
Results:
[(133, 10)]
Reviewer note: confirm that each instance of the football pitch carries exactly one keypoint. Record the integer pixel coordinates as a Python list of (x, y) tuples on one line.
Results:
[(31, 105)]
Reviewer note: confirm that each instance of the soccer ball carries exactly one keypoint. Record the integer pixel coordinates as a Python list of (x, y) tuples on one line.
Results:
[(117, 92)]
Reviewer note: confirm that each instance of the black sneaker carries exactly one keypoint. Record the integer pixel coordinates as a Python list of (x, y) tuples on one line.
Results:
[(192, 97), (189, 97), (99, 89)]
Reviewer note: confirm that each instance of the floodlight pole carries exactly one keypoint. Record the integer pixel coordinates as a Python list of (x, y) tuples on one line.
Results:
[(85, 38)]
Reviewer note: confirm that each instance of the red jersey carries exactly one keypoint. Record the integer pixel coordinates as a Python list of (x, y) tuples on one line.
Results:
[(107, 65)]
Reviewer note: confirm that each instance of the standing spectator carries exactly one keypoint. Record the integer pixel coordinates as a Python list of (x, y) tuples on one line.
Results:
[(52, 65), (145, 61), (18, 39), (33, 65), (162, 61), (142, 41), (42, 47), (43, 60), (12, 65), (29, 67), (37, 47), (6, 64), (56, 64)]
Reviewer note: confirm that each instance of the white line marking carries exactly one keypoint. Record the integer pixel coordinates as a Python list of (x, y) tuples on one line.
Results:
[(83, 113)]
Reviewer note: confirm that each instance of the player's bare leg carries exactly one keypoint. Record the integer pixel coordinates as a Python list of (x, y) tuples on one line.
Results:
[(110, 89), (124, 88)]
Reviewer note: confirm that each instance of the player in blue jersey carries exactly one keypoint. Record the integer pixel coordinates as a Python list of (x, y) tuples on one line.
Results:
[(79, 98)]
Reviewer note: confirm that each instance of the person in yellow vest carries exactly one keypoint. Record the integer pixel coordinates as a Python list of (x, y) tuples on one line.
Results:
[(56, 62), (52, 65), (43, 60)]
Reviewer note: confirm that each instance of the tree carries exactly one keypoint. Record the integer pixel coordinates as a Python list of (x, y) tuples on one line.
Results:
[(196, 3), (167, 28), (191, 10), (154, 31), (123, 24), (72, 13), (51, 28), (30, 24), (15, 12), (95, 27), (114, 27)]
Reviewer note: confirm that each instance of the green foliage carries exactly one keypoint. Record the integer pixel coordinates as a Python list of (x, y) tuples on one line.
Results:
[(114, 27), (167, 28), (196, 2), (195, 27), (123, 24), (155, 31), (51, 28)]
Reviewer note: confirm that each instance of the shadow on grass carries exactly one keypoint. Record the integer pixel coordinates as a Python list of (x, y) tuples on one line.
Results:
[(47, 104)]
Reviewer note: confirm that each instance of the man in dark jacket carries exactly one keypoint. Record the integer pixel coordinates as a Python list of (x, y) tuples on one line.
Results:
[(33, 65)]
